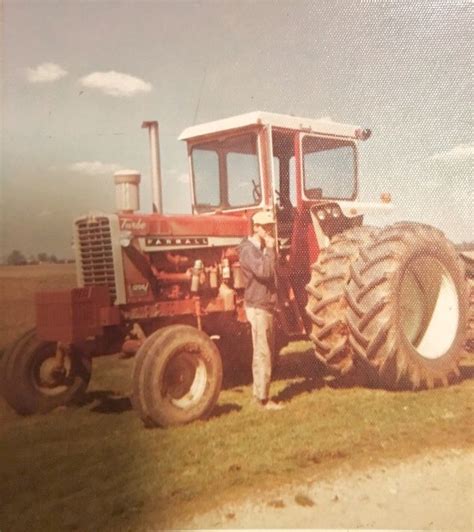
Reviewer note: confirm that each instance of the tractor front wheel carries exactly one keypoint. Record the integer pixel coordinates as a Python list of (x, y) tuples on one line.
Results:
[(31, 380), (177, 378)]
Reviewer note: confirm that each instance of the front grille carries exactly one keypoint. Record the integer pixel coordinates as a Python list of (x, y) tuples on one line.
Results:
[(96, 254)]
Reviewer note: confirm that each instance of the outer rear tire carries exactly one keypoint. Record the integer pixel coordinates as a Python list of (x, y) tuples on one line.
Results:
[(27, 384), (408, 308), (326, 306), (177, 377)]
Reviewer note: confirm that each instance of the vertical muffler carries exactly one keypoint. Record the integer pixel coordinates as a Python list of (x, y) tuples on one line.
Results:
[(152, 127)]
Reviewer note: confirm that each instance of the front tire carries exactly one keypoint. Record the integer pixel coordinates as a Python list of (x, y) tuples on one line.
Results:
[(407, 308), (179, 378), (29, 381)]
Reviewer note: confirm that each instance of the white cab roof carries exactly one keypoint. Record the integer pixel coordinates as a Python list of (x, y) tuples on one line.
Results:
[(323, 126)]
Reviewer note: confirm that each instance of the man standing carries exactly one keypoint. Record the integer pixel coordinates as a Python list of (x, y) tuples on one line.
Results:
[(257, 261)]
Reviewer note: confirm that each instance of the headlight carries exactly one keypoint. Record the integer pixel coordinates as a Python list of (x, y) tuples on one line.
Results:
[(336, 212), (321, 214)]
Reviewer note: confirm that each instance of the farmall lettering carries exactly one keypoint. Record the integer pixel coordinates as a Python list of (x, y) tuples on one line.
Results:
[(389, 303), (160, 242), (169, 243)]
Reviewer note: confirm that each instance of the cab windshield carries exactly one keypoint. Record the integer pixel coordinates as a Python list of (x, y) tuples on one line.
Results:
[(226, 173), (329, 168)]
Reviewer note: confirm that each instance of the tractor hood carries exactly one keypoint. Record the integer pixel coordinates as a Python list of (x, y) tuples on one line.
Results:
[(184, 225)]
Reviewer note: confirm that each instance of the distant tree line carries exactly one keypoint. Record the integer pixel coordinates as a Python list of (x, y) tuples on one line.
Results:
[(17, 258)]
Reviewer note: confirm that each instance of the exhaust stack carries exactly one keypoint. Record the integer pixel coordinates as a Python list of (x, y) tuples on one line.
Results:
[(152, 127)]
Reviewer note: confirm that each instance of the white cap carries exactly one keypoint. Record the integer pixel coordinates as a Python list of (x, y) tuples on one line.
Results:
[(127, 176), (263, 218)]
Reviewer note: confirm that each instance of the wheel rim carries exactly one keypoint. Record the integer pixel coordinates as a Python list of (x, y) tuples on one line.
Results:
[(185, 378), (429, 307), (44, 376)]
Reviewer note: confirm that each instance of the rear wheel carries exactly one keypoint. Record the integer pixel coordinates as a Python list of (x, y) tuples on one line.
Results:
[(31, 380), (326, 306), (407, 308), (180, 376)]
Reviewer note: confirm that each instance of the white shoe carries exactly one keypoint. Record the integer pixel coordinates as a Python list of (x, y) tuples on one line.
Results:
[(267, 405), (271, 405)]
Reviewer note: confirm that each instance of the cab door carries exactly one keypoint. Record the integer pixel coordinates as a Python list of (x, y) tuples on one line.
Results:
[(283, 165)]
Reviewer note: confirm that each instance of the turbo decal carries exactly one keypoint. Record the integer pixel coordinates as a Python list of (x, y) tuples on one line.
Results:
[(132, 225)]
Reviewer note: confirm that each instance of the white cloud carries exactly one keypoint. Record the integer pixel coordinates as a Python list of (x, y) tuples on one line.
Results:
[(45, 73), (94, 168), (115, 83), (458, 153), (183, 178)]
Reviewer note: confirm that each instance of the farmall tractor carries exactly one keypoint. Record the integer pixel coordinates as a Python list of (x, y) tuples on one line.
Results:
[(389, 304)]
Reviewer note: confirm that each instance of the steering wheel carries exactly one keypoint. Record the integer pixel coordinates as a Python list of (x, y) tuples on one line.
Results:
[(256, 191), (278, 203)]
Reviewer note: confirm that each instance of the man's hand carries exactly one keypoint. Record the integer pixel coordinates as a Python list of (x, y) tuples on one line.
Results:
[(269, 241)]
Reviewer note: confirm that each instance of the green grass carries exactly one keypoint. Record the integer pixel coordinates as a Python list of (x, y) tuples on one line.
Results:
[(96, 467)]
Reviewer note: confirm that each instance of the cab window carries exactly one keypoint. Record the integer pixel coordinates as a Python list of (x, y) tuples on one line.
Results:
[(226, 173), (329, 168)]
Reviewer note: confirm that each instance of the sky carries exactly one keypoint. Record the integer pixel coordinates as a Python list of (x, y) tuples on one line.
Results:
[(78, 79)]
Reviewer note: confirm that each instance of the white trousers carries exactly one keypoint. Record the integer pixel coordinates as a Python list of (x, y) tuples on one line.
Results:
[(261, 322)]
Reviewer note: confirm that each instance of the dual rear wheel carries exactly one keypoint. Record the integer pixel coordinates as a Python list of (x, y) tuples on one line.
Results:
[(392, 307)]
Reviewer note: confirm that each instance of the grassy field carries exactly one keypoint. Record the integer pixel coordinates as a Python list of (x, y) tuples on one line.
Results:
[(95, 467)]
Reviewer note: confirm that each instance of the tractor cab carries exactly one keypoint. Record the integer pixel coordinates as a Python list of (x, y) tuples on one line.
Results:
[(305, 170), (289, 164)]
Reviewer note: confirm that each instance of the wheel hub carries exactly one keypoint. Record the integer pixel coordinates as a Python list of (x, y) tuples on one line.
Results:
[(429, 307), (179, 376), (50, 375), (185, 379), (50, 378)]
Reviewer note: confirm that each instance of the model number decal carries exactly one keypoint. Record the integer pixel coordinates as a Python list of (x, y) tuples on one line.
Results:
[(139, 288)]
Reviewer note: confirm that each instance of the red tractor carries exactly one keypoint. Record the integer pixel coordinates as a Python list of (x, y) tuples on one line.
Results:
[(390, 304)]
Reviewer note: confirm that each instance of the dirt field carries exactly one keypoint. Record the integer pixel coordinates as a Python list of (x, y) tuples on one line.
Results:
[(18, 285)]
